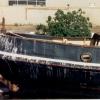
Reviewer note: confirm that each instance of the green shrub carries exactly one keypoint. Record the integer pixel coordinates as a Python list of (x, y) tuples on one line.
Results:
[(71, 24)]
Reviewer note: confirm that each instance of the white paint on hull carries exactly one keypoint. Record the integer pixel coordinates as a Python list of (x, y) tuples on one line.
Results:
[(49, 61)]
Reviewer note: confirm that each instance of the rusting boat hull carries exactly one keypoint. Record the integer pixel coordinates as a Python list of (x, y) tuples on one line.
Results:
[(28, 72), (25, 61)]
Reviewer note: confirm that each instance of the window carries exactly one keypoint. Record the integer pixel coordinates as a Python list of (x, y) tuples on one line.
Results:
[(12, 2), (31, 2), (22, 2), (27, 2), (41, 2)]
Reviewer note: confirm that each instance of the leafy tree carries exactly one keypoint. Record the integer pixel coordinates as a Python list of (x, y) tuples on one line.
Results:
[(41, 29), (71, 24)]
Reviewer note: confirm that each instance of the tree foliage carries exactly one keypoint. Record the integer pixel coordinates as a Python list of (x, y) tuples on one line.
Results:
[(41, 29), (71, 24)]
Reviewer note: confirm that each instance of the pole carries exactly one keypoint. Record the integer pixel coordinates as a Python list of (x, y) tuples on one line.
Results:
[(3, 30)]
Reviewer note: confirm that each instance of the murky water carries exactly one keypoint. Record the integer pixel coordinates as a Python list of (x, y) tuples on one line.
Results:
[(70, 91)]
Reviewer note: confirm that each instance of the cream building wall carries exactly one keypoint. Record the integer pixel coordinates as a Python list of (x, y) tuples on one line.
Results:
[(38, 14), (56, 3), (3, 2)]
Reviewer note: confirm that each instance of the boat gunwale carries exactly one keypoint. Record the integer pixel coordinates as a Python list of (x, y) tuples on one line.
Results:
[(49, 41), (48, 61)]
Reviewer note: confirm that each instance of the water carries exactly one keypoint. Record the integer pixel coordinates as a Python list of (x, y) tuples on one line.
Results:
[(65, 92)]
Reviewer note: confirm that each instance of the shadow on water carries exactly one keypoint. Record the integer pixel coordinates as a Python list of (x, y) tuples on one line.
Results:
[(69, 91)]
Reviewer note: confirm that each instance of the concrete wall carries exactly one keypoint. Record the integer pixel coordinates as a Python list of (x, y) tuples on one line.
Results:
[(13, 14), (37, 15), (56, 3), (3, 2)]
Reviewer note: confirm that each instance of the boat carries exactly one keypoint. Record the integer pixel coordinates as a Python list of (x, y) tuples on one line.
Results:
[(33, 60), (38, 60)]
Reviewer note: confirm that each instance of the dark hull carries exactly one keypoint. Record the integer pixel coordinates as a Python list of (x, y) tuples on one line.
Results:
[(47, 49), (22, 73)]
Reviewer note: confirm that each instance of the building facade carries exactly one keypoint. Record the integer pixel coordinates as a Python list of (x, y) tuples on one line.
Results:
[(37, 11)]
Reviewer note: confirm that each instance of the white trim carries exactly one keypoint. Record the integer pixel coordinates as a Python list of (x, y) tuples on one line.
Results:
[(63, 62)]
